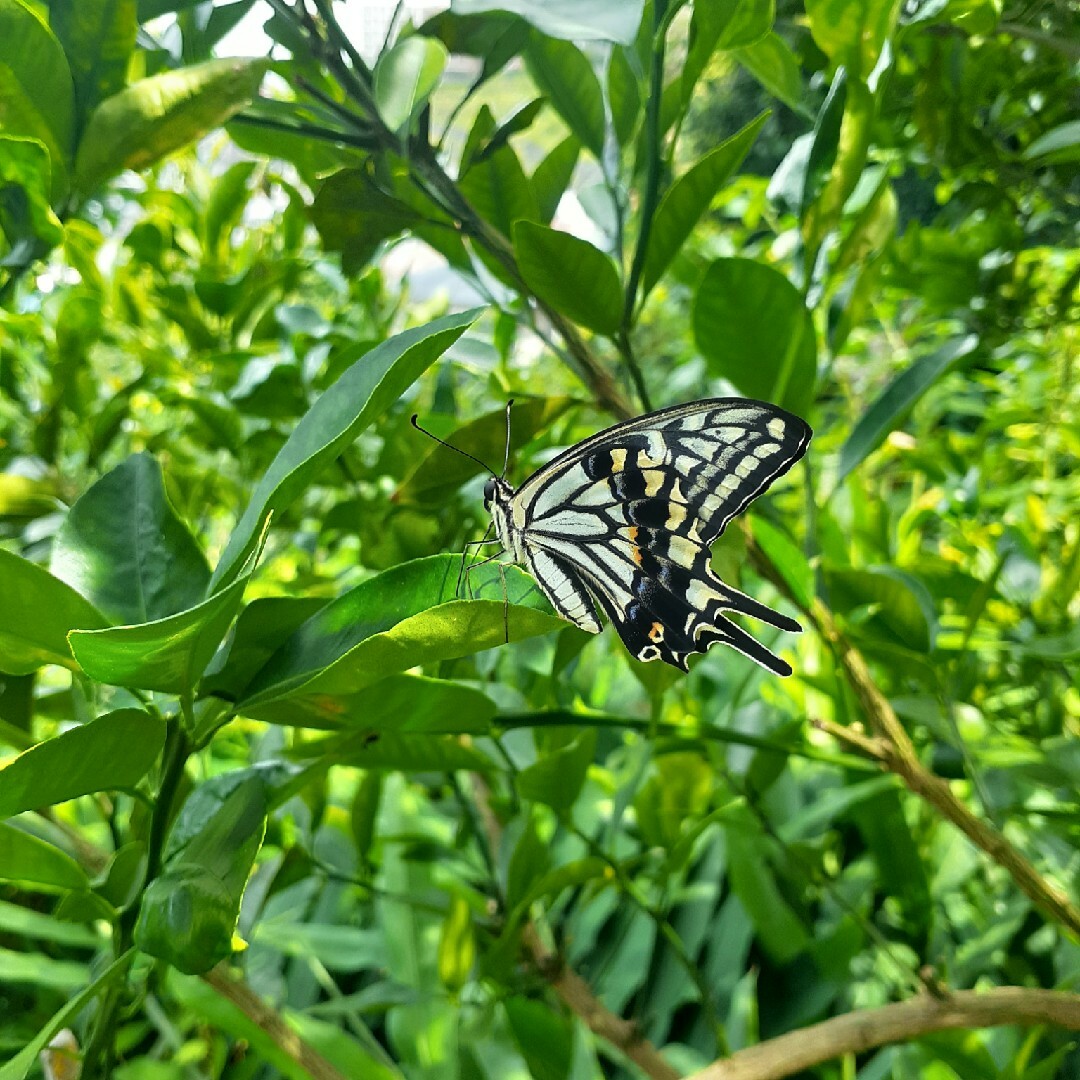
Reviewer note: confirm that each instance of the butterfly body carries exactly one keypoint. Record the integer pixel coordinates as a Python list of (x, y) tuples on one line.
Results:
[(625, 519)]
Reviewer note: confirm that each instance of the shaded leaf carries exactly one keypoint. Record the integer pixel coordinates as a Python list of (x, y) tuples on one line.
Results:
[(565, 77), (570, 275), (599, 20), (125, 549)]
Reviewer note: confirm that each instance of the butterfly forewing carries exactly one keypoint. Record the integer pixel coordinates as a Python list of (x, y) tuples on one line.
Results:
[(629, 515)]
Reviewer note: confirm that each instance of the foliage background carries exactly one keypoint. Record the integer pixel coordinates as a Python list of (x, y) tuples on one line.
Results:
[(442, 832)]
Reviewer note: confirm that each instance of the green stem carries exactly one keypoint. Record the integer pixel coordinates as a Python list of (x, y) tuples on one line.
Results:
[(651, 194)]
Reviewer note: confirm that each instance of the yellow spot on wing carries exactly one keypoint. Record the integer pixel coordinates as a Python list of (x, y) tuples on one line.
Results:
[(654, 480), (618, 460)]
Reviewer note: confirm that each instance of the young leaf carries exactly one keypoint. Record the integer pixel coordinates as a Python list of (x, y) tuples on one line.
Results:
[(569, 274), (773, 64), (114, 751), (37, 611), (405, 77), (852, 35), (168, 655), (752, 326), (124, 547), (358, 397), (689, 197), (157, 115), (565, 77)]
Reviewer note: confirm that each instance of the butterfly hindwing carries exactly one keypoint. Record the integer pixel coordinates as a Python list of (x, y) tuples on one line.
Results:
[(629, 515)]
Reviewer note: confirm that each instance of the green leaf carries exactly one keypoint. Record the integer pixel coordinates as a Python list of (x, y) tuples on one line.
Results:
[(598, 20), (897, 609), (545, 1039), (689, 197), (499, 190), (569, 274), (557, 778), (354, 214), (37, 611), (362, 394), (442, 471), (551, 177), (138, 126), (124, 548), (852, 34), (1061, 143), (405, 77), (565, 77), (98, 38), (780, 931), (773, 64), (752, 326), (398, 752), (27, 221), (788, 558), (113, 752), (188, 914), (168, 655), (401, 618), (494, 38), (530, 861), (624, 94), (21, 1064), (31, 53), (513, 125), (29, 861), (406, 703), (891, 407)]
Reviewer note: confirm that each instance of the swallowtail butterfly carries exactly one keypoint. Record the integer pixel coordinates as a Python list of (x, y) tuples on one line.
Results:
[(625, 520)]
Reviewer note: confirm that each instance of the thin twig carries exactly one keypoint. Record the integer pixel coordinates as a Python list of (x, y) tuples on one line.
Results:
[(857, 1032)]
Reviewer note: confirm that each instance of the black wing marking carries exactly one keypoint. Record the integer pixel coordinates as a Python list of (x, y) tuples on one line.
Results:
[(629, 515)]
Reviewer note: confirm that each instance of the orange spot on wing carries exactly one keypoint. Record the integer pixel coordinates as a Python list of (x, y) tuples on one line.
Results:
[(657, 632)]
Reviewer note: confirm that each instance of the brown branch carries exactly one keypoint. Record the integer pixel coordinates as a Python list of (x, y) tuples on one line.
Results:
[(574, 992), (866, 1029), (896, 752), (272, 1023)]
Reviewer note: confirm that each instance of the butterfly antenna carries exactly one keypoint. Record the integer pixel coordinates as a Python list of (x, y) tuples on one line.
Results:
[(506, 456), (449, 446)]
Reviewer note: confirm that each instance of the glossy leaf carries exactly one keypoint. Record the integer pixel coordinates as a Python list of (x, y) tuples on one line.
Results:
[(168, 655), (155, 116), (689, 197), (599, 20), (405, 77), (401, 618), (98, 39), (37, 611), (571, 275), (891, 407), (29, 861), (358, 398), (1061, 143), (752, 327), (565, 77), (125, 549), (114, 751)]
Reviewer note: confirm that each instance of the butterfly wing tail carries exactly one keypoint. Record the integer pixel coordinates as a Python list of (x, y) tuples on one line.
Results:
[(747, 605)]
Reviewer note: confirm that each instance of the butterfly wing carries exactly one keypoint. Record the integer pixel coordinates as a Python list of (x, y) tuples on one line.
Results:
[(629, 515)]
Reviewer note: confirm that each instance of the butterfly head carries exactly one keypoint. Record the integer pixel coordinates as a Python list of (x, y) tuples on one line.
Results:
[(496, 491)]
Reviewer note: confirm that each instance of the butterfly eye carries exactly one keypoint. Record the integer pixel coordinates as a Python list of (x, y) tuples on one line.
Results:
[(489, 492)]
